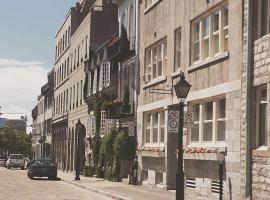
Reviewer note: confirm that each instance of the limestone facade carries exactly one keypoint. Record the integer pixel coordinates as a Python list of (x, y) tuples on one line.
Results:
[(215, 76)]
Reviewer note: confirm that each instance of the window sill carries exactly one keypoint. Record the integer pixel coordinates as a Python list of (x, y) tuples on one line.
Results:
[(176, 73), (209, 61), (151, 7), (155, 81), (261, 152)]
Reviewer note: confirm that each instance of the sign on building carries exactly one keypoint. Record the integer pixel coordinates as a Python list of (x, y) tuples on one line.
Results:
[(188, 119), (173, 121)]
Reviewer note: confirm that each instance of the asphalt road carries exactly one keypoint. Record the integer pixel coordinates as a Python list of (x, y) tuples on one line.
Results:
[(14, 185)]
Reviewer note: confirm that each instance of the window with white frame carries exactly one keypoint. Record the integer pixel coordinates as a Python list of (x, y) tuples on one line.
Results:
[(95, 82), (261, 115), (89, 83), (86, 47), (154, 131), (106, 74), (156, 60), (81, 96), (92, 124), (103, 123), (177, 49), (210, 34), (209, 122)]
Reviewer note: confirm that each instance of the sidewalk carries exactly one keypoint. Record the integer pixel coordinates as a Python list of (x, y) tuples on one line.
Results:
[(117, 190)]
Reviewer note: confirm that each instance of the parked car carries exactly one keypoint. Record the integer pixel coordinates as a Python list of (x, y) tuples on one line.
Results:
[(15, 160), (3, 160), (42, 168)]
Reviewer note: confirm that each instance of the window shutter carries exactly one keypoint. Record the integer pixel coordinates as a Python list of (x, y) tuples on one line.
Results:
[(95, 82), (108, 78), (101, 77)]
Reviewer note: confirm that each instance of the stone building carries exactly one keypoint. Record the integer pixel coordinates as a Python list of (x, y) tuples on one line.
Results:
[(204, 40), (42, 121), (85, 27), (255, 126)]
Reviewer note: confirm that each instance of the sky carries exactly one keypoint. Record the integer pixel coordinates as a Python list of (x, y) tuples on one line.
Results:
[(27, 31)]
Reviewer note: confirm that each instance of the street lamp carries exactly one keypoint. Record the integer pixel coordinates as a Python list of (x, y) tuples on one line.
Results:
[(78, 131), (181, 88)]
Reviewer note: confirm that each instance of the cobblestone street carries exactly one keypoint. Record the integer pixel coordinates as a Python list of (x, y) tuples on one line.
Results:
[(14, 185)]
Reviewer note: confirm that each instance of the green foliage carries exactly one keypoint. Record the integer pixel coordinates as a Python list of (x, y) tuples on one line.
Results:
[(89, 171), (99, 172), (96, 147), (108, 143), (14, 141), (124, 146)]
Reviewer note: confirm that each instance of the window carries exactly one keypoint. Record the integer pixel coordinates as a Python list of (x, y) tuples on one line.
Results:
[(177, 49), (73, 97), (77, 97), (92, 128), (86, 47), (263, 17), (154, 127), (95, 82), (210, 34), (103, 123), (261, 115), (81, 92), (209, 122), (156, 60), (89, 83)]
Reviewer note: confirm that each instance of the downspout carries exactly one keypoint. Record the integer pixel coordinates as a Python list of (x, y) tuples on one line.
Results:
[(248, 98)]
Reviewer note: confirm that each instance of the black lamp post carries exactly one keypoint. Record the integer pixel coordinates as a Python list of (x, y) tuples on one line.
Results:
[(181, 88), (78, 131)]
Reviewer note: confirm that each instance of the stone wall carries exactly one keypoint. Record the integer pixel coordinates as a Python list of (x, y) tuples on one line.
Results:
[(261, 178), (262, 60)]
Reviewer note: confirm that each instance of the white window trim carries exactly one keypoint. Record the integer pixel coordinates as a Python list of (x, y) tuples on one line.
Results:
[(159, 126), (154, 59), (218, 33), (214, 121)]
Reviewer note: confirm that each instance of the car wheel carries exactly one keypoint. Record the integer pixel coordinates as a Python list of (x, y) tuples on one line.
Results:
[(22, 168), (30, 176), (8, 167)]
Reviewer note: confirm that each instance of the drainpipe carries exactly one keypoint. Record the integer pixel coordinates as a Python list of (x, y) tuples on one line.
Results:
[(249, 82)]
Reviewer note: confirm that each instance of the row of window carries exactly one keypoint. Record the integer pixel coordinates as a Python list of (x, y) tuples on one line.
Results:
[(209, 124), (62, 72), (99, 78), (69, 65), (62, 44), (209, 38), (105, 124), (79, 54), (69, 99)]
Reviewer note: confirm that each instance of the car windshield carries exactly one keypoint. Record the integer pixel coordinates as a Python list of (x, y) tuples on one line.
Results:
[(43, 162), (16, 157)]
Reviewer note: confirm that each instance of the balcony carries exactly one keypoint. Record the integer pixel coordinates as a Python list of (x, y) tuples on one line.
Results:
[(121, 47), (116, 111)]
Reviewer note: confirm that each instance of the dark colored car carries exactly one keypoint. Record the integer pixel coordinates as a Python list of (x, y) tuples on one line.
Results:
[(42, 168)]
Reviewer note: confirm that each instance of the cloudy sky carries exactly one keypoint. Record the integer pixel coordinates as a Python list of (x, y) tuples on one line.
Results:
[(27, 30)]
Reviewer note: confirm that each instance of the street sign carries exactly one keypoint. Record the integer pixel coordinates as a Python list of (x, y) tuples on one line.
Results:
[(173, 121), (131, 129), (188, 119)]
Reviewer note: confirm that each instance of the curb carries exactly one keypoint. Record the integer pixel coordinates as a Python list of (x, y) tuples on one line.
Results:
[(107, 194)]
